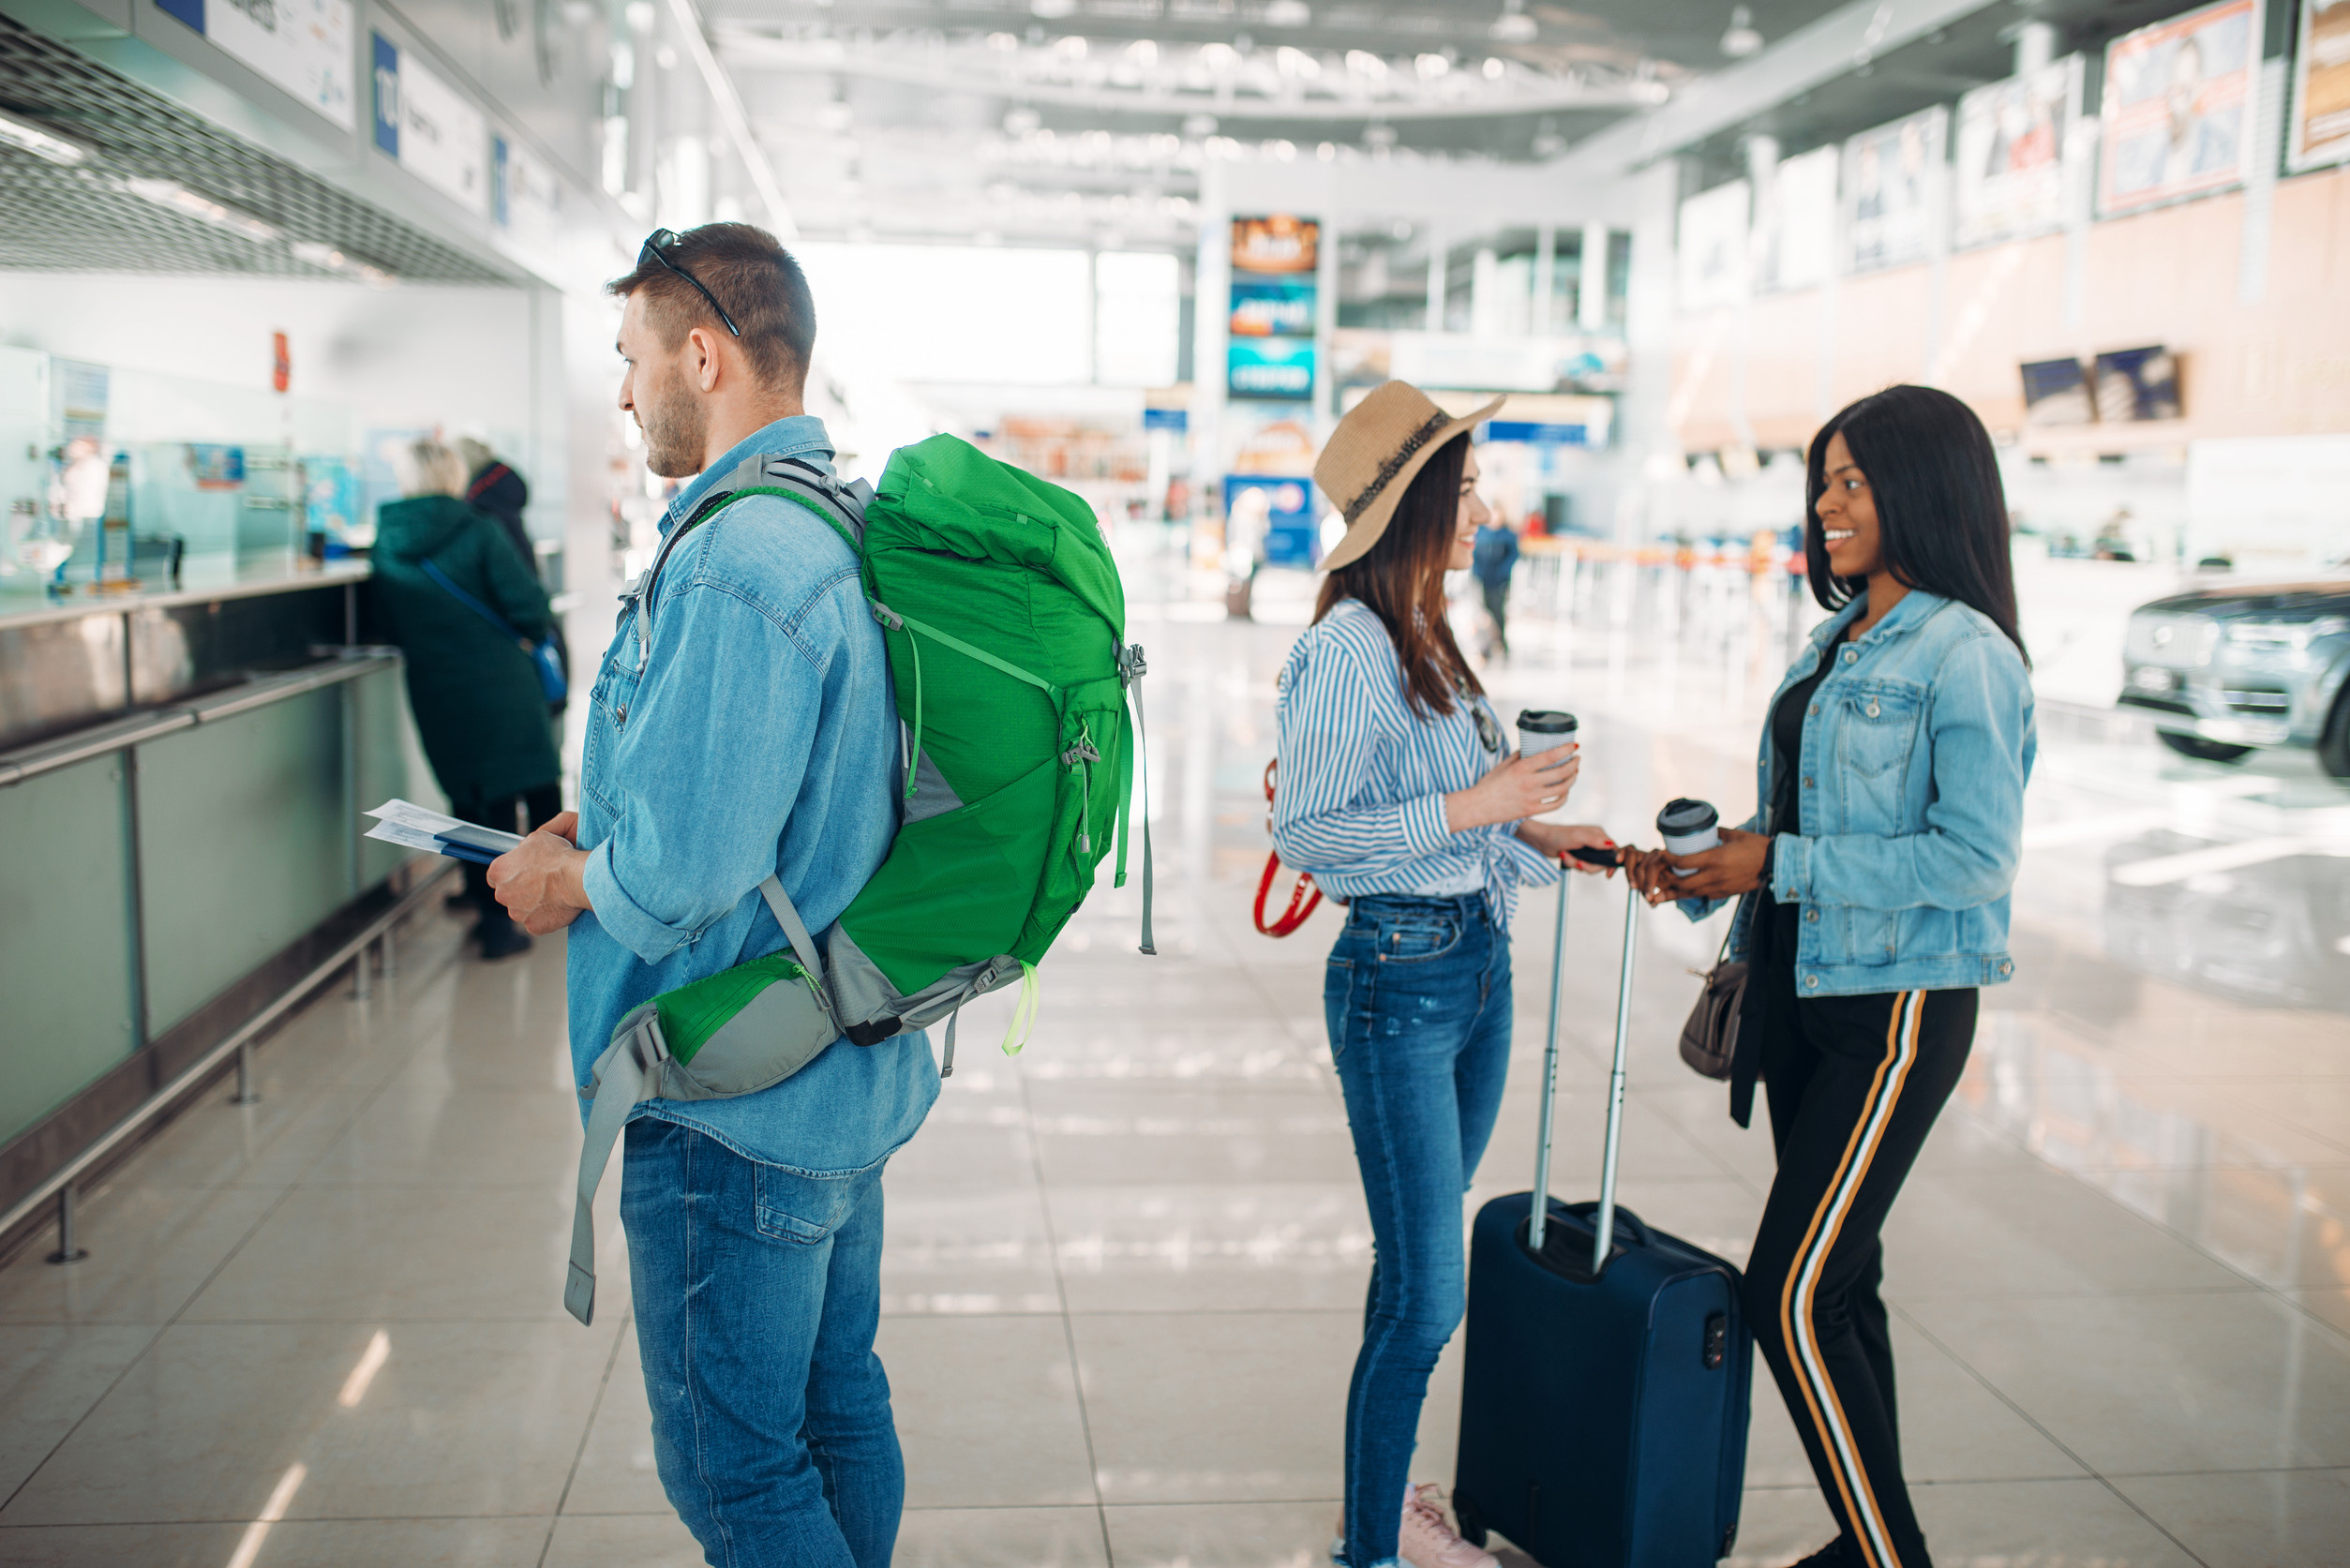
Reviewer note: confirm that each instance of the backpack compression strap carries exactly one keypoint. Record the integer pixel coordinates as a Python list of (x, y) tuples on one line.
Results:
[(630, 1072)]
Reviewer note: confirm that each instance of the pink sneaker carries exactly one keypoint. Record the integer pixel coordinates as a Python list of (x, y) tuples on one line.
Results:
[(1428, 1540)]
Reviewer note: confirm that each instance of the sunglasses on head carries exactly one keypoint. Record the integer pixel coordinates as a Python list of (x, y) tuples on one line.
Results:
[(661, 240), (1489, 732)]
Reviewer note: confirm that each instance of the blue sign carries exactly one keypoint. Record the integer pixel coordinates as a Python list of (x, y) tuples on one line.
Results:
[(1278, 368), (1533, 434), (1177, 419), (189, 12), (501, 186), (1272, 307), (387, 95), (1289, 530)]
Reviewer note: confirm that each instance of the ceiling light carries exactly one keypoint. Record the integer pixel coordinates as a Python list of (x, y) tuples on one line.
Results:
[(1363, 62), (1144, 52), (1327, 152), (1297, 62), (1379, 136), (1512, 26), (1004, 43), (1069, 47), (30, 137), (1199, 124), (1430, 66), (1052, 10), (1548, 144), (1493, 69), (332, 259), (1742, 40), (1288, 13), (1021, 120), (172, 194)]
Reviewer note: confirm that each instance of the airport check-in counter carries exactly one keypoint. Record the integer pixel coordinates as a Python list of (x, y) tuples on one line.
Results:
[(180, 778)]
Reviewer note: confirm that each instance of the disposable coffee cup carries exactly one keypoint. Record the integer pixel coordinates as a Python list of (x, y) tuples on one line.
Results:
[(1687, 826), (1542, 730)]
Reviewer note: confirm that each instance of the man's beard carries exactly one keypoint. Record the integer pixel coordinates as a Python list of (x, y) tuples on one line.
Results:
[(676, 430)]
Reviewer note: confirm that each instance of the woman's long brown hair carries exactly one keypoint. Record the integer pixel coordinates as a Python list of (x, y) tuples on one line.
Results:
[(1402, 579)]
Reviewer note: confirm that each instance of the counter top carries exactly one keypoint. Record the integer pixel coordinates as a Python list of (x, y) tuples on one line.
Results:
[(202, 581)]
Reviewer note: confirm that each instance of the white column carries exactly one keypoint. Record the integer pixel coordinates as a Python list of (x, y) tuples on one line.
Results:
[(1590, 295), (1546, 263)]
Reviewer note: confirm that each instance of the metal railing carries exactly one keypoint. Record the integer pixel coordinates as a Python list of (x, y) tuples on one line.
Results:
[(29, 762)]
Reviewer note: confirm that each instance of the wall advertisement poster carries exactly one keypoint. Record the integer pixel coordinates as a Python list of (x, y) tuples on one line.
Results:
[(1272, 308), (1713, 247), (430, 128), (2178, 108), (1892, 191), (2319, 132), (303, 46), (2012, 139), (1795, 222)]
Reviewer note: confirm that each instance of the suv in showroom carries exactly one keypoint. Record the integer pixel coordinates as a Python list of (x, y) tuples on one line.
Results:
[(2224, 669)]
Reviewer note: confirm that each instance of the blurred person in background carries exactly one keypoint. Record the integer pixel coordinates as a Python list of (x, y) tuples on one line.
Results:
[(496, 486), (480, 711), (1492, 558)]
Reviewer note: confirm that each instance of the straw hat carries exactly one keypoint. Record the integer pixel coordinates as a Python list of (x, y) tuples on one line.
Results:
[(1373, 456)]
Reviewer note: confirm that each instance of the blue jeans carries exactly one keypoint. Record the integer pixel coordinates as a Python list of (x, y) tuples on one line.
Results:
[(758, 1289), (1418, 1001)]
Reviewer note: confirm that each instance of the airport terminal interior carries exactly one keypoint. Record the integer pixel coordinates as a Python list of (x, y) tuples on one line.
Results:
[(291, 1123)]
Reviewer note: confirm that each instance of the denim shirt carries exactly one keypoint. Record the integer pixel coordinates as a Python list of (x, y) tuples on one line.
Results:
[(1916, 749), (762, 737)]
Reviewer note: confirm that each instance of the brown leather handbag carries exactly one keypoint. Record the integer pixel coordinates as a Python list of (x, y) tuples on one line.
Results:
[(1709, 1041)]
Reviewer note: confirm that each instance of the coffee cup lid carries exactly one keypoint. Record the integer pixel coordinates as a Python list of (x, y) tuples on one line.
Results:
[(1684, 814), (1545, 720)]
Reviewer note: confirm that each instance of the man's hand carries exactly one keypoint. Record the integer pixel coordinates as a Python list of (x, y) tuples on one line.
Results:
[(1732, 868), (1557, 838), (539, 881)]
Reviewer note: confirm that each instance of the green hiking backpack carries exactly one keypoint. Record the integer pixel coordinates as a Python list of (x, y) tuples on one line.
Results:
[(1005, 624)]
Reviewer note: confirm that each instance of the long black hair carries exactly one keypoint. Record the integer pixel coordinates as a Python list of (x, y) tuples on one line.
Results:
[(1401, 578), (1942, 511)]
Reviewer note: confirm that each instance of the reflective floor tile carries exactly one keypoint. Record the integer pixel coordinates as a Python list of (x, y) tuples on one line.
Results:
[(329, 1421), (2328, 1307), (966, 1249), (1221, 1534), (1271, 1244), (2294, 1518), (150, 1250), (1099, 1135), (1650, 1144), (1000, 1538), (357, 1254), (2007, 1523), (472, 1138), (987, 1411), (271, 1143), (288, 1543), (1953, 1428), (2029, 1232), (616, 1473), (975, 1135), (1216, 1407), (622, 1541), (2142, 1384), (50, 1377)]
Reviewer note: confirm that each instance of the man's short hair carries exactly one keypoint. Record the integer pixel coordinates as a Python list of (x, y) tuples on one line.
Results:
[(757, 280)]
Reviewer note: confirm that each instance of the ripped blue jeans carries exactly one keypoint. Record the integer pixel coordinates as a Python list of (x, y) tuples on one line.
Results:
[(1418, 1001)]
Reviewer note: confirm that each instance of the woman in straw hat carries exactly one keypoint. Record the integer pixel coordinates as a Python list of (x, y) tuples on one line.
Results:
[(1398, 792)]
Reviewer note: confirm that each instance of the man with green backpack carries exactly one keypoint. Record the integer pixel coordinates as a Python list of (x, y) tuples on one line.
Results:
[(851, 760)]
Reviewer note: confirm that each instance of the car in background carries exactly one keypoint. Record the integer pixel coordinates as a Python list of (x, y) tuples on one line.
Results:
[(2224, 669)]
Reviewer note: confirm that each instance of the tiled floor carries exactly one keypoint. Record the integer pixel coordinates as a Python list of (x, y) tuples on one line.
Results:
[(1125, 1270)]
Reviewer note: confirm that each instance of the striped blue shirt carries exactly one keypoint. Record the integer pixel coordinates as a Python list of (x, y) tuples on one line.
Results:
[(1359, 796)]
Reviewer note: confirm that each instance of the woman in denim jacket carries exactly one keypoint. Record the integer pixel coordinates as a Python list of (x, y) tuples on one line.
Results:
[(1873, 902), (1398, 793)]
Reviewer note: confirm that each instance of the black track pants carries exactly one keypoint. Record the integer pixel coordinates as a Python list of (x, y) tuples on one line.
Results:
[(1854, 1085)]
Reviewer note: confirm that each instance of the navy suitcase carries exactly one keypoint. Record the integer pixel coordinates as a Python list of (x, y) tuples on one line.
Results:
[(1603, 1410)]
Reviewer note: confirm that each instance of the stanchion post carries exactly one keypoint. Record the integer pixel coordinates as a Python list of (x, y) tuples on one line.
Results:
[(246, 1094), (361, 988), (67, 1252)]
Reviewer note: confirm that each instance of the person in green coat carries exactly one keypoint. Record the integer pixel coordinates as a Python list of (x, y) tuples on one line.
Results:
[(475, 691)]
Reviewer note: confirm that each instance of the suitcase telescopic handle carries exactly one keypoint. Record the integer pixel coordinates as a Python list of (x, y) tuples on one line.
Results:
[(1603, 1233), (1537, 1220)]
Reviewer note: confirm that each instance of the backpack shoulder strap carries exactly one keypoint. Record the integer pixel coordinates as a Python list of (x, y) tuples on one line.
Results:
[(840, 504)]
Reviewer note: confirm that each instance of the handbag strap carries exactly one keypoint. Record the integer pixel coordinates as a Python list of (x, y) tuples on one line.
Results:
[(450, 588)]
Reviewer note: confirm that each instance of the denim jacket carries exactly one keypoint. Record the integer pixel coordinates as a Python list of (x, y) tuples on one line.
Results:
[(762, 736), (1916, 749)]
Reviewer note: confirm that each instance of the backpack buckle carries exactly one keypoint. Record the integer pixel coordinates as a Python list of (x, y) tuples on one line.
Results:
[(1132, 666)]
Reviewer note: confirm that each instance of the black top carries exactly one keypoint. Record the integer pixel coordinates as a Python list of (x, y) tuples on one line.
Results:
[(1772, 940)]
